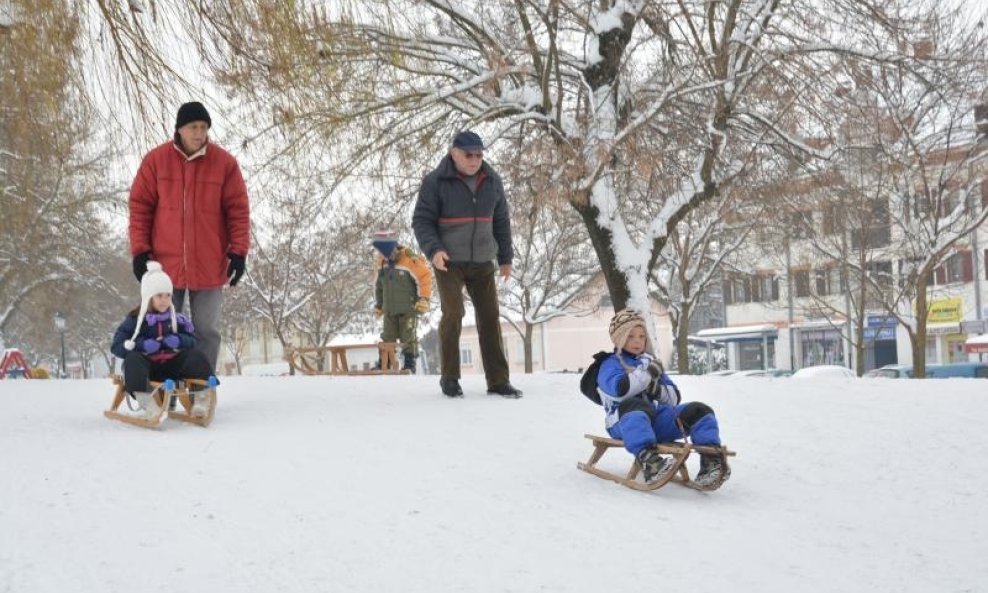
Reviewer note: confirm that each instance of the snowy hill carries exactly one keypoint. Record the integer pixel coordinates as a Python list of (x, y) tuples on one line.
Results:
[(307, 484)]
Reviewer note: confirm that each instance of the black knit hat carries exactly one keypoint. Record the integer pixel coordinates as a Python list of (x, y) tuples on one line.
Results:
[(190, 112)]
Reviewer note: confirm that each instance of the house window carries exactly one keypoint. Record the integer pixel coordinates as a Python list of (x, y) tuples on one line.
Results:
[(953, 268), (801, 224), (833, 220), (829, 281), (519, 349), (959, 267), (767, 288), (466, 357), (875, 229), (801, 278)]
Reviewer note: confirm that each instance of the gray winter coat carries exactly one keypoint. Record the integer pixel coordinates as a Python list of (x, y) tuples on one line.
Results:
[(470, 228)]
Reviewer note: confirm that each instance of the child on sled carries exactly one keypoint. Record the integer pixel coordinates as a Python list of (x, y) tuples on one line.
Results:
[(643, 407), (157, 344)]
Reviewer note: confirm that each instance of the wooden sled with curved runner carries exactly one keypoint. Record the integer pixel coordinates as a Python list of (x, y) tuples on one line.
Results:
[(679, 451), (164, 393)]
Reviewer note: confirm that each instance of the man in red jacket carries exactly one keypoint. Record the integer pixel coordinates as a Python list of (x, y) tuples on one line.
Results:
[(189, 211)]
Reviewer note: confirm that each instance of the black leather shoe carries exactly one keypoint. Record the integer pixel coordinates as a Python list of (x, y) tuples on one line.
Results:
[(505, 390), (451, 387)]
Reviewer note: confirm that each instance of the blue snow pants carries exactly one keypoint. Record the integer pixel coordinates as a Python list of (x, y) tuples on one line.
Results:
[(638, 431)]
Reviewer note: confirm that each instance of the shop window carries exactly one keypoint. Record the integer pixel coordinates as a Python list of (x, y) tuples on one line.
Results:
[(821, 347), (955, 348), (751, 355)]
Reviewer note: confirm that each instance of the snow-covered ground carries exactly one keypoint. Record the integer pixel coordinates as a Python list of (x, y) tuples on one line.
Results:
[(306, 484)]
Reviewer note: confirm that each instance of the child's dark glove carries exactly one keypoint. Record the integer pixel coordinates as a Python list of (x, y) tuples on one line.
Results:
[(655, 369), (150, 346), (172, 341)]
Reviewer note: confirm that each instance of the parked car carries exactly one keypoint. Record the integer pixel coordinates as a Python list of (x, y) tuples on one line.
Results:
[(763, 373), (824, 371), (933, 371)]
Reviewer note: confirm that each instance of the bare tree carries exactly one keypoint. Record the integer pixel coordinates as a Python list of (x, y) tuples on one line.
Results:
[(54, 233), (915, 124), (553, 259), (704, 84), (699, 250)]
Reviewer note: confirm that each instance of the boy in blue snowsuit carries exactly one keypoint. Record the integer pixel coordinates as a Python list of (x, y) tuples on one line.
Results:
[(642, 404)]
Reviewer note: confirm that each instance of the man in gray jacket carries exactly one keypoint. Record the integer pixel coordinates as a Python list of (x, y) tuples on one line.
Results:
[(462, 225)]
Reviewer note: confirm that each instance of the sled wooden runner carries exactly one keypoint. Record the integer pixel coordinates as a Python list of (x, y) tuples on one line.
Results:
[(185, 391), (679, 473)]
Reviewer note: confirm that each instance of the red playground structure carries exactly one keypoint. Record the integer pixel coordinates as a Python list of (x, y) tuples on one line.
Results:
[(13, 365)]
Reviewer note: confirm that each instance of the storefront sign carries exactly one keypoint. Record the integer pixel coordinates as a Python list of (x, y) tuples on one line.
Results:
[(879, 327), (974, 326), (945, 311)]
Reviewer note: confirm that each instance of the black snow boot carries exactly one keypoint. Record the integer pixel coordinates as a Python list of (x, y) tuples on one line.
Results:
[(408, 363), (654, 466), (713, 471)]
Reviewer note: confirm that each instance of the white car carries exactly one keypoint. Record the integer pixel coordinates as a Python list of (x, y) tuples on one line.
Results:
[(824, 371)]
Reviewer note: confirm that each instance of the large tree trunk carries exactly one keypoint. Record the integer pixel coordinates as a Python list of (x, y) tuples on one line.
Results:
[(617, 282)]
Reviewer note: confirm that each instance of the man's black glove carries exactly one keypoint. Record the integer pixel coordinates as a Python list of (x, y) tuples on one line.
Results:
[(238, 266), (141, 264)]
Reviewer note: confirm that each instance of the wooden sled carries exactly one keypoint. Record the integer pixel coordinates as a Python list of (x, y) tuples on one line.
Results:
[(312, 360), (679, 473), (164, 393)]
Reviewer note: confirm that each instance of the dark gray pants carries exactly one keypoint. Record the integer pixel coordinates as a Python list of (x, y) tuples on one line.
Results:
[(206, 307), (478, 279)]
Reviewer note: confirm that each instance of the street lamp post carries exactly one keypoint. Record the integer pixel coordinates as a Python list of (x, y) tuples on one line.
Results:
[(60, 326)]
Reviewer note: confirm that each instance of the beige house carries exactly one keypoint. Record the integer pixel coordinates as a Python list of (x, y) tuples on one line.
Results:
[(565, 343)]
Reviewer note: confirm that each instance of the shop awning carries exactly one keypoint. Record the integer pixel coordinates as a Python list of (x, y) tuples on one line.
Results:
[(738, 333), (977, 344)]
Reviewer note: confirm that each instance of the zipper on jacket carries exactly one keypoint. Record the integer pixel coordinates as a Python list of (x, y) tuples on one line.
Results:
[(185, 247)]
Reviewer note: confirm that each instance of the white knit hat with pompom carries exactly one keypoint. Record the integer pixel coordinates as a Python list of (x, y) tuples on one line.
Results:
[(155, 281)]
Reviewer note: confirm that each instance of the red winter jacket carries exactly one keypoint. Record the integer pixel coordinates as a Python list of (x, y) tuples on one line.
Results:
[(189, 212)]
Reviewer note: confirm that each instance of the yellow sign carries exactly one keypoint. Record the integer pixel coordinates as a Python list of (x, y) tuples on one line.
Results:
[(945, 311)]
